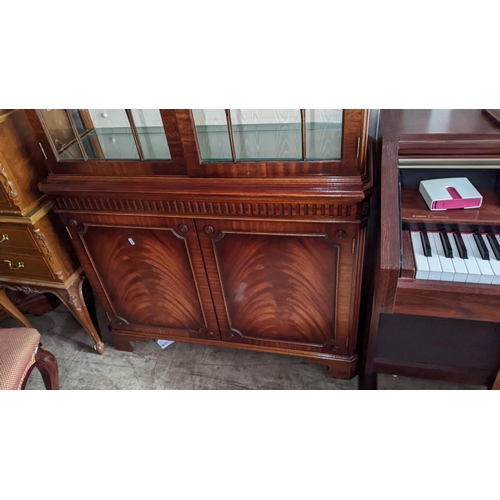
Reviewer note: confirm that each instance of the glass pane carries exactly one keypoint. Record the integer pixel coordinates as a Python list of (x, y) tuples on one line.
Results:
[(77, 120), (112, 137), (213, 135), (267, 134), (92, 146), (323, 134), (60, 132), (71, 153), (151, 134)]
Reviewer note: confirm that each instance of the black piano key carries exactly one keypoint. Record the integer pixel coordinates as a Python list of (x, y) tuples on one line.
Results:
[(448, 251), (462, 250), (494, 244), (485, 254), (425, 243)]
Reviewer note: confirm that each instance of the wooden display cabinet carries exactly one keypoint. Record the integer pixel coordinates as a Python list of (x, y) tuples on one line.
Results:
[(236, 228)]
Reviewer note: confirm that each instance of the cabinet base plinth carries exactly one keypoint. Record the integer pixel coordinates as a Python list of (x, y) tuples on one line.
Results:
[(122, 344), (339, 367)]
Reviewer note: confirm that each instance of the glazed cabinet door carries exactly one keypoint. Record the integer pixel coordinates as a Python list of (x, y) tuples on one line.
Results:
[(273, 142), (285, 285), (147, 272)]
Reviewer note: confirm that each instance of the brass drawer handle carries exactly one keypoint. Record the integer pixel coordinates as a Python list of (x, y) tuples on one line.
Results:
[(19, 265), (5, 237)]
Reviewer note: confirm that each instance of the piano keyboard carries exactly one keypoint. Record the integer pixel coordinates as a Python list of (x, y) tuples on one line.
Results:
[(467, 257)]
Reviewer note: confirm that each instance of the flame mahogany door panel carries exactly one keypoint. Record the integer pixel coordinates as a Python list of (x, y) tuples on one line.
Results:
[(149, 279), (284, 284)]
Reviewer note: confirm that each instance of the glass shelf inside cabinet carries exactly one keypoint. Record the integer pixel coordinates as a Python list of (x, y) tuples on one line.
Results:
[(71, 153), (106, 134), (119, 143)]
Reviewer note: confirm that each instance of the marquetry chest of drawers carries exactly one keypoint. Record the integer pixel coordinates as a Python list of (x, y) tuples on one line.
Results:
[(35, 251)]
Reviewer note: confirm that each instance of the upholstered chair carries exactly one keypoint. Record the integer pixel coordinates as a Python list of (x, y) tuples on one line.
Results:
[(20, 353)]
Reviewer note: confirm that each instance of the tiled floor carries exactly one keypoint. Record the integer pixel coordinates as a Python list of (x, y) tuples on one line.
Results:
[(181, 366)]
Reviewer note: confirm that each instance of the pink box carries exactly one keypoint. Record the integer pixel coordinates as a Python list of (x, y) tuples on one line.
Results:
[(449, 194)]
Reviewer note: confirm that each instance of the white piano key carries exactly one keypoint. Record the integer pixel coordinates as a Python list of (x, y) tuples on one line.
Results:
[(494, 263), (473, 272), (459, 265), (484, 265), (447, 269), (421, 265), (434, 264)]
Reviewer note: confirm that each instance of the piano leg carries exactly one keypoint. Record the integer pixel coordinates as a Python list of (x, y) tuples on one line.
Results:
[(367, 381), (367, 377)]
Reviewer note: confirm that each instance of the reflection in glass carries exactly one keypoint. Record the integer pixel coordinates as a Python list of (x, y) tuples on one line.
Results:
[(267, 134), (151, 134), (213, 134), (61, 134), (77, 120), (323, 134)]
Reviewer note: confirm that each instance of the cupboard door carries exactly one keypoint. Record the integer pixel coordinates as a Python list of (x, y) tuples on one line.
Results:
[(283, 285), (151, 279)]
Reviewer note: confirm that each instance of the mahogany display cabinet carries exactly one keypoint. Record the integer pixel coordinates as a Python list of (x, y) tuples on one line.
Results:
[(234, 228)]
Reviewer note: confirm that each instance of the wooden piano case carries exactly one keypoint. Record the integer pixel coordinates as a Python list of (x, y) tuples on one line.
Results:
[(431, 329)]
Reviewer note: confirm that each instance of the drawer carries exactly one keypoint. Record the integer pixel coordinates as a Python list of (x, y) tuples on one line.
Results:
[(24, 266), (17, 240)]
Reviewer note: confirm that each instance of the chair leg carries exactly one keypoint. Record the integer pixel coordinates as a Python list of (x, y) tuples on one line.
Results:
[(47, 366)]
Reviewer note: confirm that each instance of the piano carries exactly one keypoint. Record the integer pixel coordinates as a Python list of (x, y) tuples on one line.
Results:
[(433, 291)]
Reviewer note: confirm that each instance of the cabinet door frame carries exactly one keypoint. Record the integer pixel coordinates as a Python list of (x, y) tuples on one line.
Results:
[(352, 163), (77, 225), (350, 249), (116, 167), (180, 132)]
